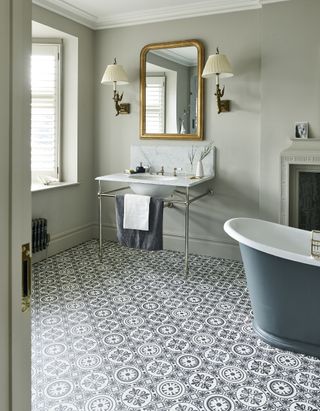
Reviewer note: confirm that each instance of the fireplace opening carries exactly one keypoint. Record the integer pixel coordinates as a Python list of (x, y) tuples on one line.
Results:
[(304, 196)]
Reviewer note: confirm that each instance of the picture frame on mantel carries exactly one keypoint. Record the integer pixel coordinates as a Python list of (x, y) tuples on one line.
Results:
[(301, 130)]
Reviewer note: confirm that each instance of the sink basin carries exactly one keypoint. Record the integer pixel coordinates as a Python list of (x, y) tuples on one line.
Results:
[(152, 185), (151, 177)]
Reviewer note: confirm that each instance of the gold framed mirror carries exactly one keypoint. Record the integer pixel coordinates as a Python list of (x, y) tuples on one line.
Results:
[(171, 90)]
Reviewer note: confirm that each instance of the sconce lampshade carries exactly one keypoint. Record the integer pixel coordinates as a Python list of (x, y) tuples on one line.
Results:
[(115, 72), (217, 64)]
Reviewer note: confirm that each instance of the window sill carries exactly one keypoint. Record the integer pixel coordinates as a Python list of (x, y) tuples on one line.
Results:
[(42, 187)]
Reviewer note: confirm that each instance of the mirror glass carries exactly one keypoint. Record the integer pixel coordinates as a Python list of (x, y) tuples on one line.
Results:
[(171, 90)]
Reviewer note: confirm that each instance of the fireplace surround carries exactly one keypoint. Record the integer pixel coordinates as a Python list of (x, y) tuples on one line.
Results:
[(296, 159)]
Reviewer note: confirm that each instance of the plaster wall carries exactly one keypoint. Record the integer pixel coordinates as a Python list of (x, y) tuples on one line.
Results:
[(70, 210), (275, 54), (235, 134), (290, 87)]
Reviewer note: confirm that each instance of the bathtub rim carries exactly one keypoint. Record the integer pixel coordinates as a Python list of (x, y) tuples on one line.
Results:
[(236, 235)]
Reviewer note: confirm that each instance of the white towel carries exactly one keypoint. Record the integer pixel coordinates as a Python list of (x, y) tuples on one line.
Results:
[(136, 212)]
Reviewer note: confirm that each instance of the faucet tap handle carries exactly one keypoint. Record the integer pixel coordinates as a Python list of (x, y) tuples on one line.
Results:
[(175, 171), (161, 171)]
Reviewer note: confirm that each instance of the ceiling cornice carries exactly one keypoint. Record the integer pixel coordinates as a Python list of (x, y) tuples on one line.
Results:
[(271, 1), (204, 8), (65, 9)]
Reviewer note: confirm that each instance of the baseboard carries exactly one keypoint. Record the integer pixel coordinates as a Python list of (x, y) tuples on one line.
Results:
[(66, 239), (201, 246)]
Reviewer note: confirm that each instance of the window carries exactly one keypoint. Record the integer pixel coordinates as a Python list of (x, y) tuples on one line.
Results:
[(45, 111), (155, 104)]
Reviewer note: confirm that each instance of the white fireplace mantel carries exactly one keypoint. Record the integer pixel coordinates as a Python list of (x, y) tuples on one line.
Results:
[(299, 153)]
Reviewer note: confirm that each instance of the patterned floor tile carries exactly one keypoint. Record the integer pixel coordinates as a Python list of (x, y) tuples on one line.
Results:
[(134, 333)]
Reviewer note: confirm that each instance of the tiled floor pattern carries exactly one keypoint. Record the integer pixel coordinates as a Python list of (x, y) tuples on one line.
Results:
[(133, 333)]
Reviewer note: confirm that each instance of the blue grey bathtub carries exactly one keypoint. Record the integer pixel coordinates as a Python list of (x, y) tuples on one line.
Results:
[(283, 283)]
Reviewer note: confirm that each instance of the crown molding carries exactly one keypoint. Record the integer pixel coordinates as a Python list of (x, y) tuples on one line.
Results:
[(67, 10), (203, 8), (263, 2)]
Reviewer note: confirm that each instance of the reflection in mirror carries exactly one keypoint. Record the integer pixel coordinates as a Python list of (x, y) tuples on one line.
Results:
[(171, 90)]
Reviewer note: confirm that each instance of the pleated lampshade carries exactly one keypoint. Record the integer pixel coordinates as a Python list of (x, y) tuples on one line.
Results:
[(115, 72), (217, 64)]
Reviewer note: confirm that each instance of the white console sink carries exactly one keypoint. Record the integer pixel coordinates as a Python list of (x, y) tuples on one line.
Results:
[(152, 185)]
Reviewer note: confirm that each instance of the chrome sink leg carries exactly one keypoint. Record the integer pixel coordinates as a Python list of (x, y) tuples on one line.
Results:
[(100, 222), (186, 233)]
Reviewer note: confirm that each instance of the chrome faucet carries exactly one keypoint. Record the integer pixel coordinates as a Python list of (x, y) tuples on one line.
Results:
[(175, 171), (161, 171)]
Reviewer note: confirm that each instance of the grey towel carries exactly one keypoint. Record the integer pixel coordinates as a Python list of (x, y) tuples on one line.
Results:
[(148, 240)]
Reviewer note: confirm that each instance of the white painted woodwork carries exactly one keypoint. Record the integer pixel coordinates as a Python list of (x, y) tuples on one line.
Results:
[(4, 203), (101, 14), (306, 154), (15, 202)]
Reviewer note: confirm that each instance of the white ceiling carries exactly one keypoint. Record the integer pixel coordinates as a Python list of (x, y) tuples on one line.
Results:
[(101, 14)]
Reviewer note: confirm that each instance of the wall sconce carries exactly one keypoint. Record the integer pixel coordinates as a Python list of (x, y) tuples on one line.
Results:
[(114, 75), (218, 65)]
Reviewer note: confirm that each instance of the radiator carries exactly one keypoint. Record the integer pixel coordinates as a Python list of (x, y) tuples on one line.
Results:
[(40, 236)]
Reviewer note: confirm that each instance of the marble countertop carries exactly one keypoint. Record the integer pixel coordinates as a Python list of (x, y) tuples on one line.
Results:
[(179, 181)]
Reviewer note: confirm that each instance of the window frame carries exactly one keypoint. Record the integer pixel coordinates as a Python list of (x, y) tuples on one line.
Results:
[(38, 176), (160, 80)]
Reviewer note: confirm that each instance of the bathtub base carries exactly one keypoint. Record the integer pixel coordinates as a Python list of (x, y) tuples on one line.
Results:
[(286, 343), (285, 301), (283, 283)]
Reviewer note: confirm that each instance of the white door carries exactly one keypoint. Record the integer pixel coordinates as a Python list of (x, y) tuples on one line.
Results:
[(4, 205), (15, 202)]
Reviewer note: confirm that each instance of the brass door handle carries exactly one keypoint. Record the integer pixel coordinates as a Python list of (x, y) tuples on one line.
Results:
[(26, 278)]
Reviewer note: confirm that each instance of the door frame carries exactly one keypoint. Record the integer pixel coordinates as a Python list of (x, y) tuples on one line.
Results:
[(15, 202), (5, 205)]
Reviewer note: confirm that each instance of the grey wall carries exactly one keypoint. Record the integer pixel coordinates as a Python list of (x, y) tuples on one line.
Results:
[(275, 55), (290, 84), (235, 134), (70, 210)]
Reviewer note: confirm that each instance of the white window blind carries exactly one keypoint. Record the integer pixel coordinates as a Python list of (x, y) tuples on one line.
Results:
[(155, 104), (45, 110)]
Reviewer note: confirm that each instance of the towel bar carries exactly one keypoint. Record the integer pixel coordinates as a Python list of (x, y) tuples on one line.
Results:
[(170, 203)]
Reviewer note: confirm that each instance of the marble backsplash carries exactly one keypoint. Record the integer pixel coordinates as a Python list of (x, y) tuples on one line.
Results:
[(172, 156)]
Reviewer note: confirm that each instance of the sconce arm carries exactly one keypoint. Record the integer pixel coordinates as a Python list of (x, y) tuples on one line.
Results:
[(219, 94), (117, 98)]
